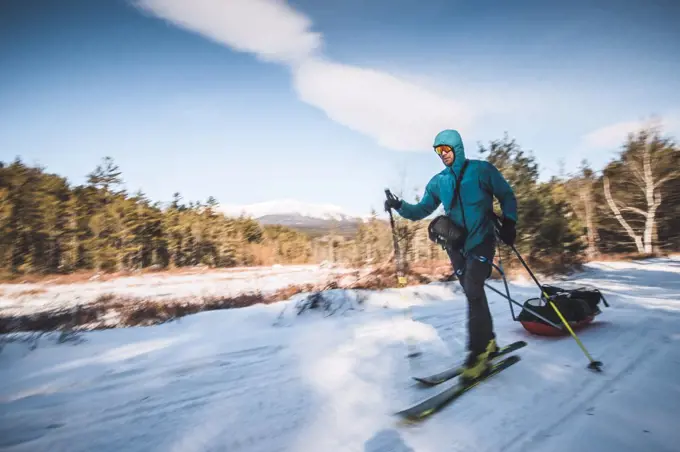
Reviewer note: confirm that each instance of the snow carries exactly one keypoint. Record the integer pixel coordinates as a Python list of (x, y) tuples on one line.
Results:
[(289, 206), (31, 298), (264, 379)]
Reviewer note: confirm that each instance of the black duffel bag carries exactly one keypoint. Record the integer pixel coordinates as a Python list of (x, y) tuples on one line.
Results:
[(444, 232), (576, 305)]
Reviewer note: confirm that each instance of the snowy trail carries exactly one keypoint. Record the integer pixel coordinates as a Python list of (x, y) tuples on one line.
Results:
[(248, 380)]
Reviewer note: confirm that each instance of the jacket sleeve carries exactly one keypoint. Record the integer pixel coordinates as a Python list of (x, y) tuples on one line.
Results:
[(502, 191), (425, 207)]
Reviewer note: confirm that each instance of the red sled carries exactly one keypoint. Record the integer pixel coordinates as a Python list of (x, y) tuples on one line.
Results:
[(544, 329), (578, 307)]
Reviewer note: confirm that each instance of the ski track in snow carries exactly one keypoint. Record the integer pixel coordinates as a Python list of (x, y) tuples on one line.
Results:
[(262, 379)]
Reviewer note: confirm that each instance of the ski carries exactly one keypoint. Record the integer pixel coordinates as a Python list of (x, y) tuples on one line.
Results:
[(435, 403), (452, 372)]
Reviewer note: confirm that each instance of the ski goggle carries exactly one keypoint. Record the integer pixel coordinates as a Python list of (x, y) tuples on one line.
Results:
[(443, 148)]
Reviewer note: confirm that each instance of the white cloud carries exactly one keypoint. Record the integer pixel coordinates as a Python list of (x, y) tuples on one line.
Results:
[(612, 135), (615, 135), (270, 29), (397, 113)]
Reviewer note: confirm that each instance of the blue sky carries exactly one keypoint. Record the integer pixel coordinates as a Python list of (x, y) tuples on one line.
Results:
[(324, 102)]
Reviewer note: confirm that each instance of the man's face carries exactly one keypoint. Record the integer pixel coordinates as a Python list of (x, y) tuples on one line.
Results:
[(446, 154)]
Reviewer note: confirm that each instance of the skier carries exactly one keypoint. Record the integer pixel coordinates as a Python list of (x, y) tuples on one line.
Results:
[(466, 231)]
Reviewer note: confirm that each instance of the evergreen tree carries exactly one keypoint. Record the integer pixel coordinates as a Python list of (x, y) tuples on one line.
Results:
[(105, 178), (545, 225), (48, 226)]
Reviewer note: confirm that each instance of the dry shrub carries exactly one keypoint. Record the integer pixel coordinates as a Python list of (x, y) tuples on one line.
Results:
[(141, 312), (29, 293), (133, 311), (151, 312), (55, 320), (386, 278), (112, 311), (289, 291), (105, 298)]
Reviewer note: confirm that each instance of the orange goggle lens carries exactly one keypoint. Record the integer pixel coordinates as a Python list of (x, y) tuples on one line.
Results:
[(442, 149)]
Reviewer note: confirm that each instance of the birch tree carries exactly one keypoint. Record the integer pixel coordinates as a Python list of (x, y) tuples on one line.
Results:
[(580, 194), (634, 185), (586, 196)]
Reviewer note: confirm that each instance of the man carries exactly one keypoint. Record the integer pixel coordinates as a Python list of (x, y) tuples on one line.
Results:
[(472, 210)]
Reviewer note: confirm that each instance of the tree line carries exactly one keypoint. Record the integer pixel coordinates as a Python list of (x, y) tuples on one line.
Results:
[(48, 225), (630, 207)]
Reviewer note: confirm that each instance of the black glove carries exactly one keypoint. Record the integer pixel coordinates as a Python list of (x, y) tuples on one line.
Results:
[(508, 232), (392, 201)]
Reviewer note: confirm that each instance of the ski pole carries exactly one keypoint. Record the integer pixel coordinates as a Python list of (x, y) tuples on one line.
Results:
[(401, 275), (401, 278), (505, 280), (594, 365)]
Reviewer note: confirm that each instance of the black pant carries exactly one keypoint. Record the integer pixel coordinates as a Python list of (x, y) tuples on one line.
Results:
[(472, 273)]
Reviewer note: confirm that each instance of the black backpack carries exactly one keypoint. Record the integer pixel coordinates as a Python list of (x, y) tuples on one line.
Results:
[(575, 305)]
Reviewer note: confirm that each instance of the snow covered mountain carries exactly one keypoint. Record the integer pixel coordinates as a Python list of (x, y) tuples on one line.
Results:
[(290, 207), (297, 214)]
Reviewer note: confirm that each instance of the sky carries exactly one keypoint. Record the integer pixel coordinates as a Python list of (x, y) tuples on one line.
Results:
[(325, 102)]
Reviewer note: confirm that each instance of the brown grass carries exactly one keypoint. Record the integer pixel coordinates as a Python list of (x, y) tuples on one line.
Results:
[(27, 293), (115, 311), (624, 257), (130, 311), (262, 256), (91, 275)]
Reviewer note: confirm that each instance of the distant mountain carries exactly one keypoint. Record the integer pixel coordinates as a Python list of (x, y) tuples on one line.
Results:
[(314, 219)]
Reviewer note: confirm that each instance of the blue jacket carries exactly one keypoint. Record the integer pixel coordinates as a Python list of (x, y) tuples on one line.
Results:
[(480, 184)]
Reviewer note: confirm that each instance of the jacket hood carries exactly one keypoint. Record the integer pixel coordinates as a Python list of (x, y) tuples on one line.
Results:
[(452, 138)]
